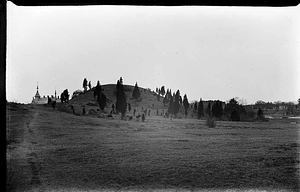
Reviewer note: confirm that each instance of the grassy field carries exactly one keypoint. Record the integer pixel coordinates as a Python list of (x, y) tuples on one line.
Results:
[(50, 150)]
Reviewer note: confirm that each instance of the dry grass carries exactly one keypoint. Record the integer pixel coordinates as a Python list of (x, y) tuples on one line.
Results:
[(210, 122), (61, 151)]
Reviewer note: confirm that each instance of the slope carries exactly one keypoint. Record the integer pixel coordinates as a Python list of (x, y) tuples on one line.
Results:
[(148, 100)]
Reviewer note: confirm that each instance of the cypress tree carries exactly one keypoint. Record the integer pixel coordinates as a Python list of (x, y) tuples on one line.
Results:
[(121, 99), (101, 101), (171, 106), (98, 90), (90, 85), (195, 106), (185, 104), (84, 85), (165, 100), (260, 114), (136, 92), (167, 94), (176, 103), (162, 90), (180, 100), (200, 109), (220, 109), (208, 110)]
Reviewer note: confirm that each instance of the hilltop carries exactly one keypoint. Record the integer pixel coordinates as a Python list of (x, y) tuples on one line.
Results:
[(148, 100)]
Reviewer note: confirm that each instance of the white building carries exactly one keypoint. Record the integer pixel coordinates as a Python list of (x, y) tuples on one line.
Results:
[(37, 99)]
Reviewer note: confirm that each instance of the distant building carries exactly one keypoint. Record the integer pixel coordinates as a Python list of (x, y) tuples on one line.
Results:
[(37, 99)]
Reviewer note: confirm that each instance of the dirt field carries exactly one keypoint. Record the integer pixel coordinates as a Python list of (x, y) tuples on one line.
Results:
[(50, 150)]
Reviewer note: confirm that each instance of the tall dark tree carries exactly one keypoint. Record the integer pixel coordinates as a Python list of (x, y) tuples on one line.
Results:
[(90, 85), (98, 90), (200, 109), (165, 100), (208, 110), (176, 102), (167, 94), (84, 85), (162, 90), (136, 92), (121, 99), (217, 109), (159, 92), (101, 101), (171, 106), (195, 106), (260, 114), (64, 96), (156, 90), (233, 110), (66, 93), (185, 104), (180, 100)]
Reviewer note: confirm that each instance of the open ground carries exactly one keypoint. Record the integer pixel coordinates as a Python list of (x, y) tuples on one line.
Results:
[(49, 150)]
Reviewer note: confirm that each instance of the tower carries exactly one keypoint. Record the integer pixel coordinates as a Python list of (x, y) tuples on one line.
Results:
[(37, 95)]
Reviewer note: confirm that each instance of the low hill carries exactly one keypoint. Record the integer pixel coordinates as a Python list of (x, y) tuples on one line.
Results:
[(148, 100)]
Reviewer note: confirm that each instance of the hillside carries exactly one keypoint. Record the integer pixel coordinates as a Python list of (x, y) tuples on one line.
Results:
[(149, 100)]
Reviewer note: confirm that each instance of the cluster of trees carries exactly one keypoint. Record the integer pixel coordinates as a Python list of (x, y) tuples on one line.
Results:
[(217, 109), (101, 98), (175, 102), (64, 96), (168, 97), (160, 91), (232, 110), (86, 84)]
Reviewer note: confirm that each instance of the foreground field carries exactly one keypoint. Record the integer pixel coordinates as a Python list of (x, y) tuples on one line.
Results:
[(54, 151)]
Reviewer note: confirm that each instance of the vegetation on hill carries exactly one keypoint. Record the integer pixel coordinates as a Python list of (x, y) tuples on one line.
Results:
[(136, 92), (121, 98), (164, 102)]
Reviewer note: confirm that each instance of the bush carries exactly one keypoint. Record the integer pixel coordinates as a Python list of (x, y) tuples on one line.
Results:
[(210, 122)]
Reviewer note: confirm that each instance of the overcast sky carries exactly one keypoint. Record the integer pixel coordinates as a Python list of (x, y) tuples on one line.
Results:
[(208, 52)]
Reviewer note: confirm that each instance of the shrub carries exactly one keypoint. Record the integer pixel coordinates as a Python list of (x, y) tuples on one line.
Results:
[(210, 122)]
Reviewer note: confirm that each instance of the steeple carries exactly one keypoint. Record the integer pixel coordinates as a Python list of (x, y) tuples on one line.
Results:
[(37, 95)]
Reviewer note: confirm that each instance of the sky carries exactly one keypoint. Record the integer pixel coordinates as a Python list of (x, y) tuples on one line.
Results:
[(206, 52)]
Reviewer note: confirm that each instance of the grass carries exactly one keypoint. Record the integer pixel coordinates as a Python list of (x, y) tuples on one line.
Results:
[(210, 122), (67, 152)]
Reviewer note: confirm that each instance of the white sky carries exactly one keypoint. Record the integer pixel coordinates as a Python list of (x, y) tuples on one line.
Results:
[(209, 52)]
